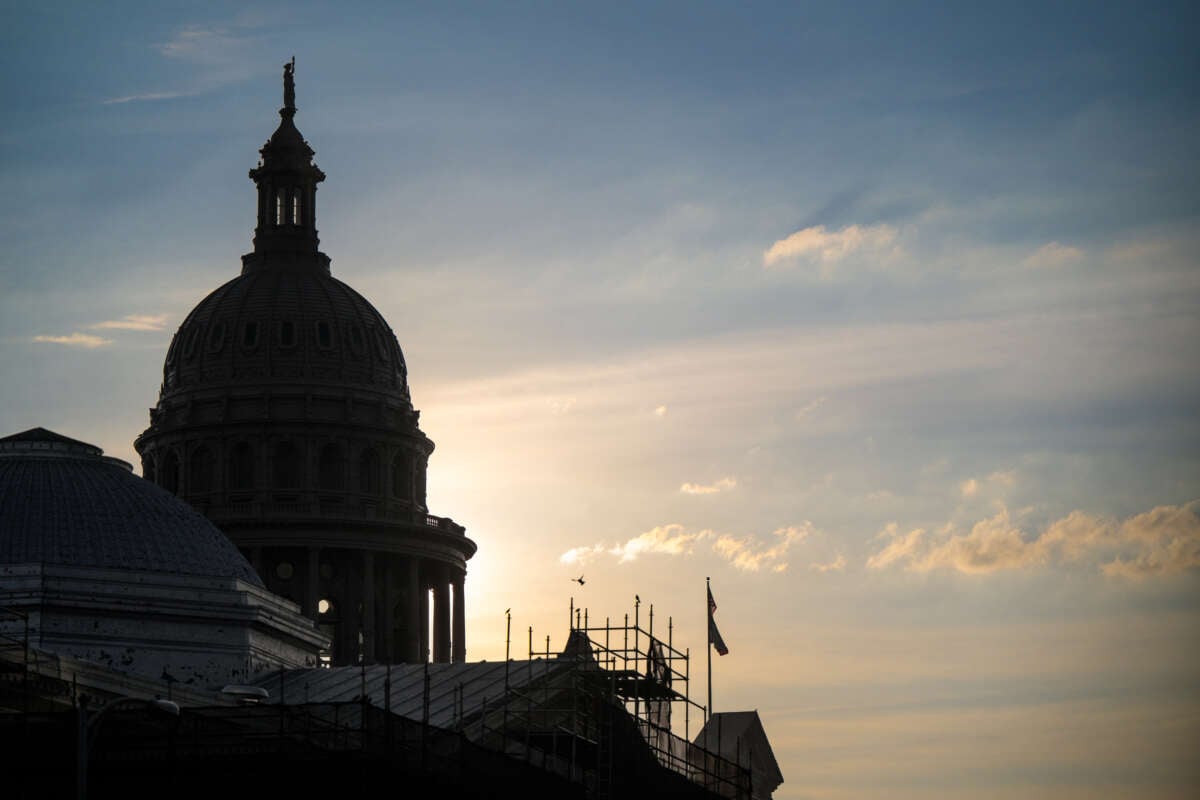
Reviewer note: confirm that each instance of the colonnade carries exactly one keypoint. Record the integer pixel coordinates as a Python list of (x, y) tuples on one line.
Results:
[(375, 605)]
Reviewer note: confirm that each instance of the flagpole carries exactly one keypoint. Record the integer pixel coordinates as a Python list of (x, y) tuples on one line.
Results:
[(708, 635)]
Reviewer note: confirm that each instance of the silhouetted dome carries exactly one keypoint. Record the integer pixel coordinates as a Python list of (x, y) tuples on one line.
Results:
[(63, 502), (285, 325)]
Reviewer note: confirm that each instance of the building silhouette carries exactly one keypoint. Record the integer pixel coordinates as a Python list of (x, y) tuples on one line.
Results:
[(285, 418), (253, 617)]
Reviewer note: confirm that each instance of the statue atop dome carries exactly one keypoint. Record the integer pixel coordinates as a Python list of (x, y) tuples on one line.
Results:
[(289, 85)]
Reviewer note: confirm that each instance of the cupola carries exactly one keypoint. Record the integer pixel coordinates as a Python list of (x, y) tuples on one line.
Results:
[(287, 180)]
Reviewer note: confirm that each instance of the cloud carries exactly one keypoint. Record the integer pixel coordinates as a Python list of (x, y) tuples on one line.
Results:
[(816, 245), (1004, 477), (76, 340), (213, 45), (1162, 541), (747, 553), (582, 555), (972, 486), (669, 539), (837, 565), (809, 407), (712, 488), (1053, 255), (750, 554), (219, 55), (148, 97), (899, 546), (134, 322), (561, 406)]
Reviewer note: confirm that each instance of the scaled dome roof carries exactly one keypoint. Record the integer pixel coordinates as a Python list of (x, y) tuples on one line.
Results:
[(63, 502), (280, 324)]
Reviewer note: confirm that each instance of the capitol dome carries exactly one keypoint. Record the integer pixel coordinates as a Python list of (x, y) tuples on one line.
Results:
[(285, 418), (282, 325), (63, 502)]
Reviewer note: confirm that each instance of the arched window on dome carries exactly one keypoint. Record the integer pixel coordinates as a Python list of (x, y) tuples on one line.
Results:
[(331, 468), (169, 474), (279, 206), (216, 336), (250, 335), (402, 478), (356, 340), (200, 470), (296, 218), (189, 347), (324, 335), (287, 466), (420, 488), (368, 472), (241, 466)]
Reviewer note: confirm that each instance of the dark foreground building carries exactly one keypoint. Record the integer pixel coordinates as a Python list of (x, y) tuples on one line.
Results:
[(252, 618)]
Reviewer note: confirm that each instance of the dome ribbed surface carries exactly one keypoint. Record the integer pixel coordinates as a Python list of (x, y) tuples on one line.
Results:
[(65, 504), (285, 325)]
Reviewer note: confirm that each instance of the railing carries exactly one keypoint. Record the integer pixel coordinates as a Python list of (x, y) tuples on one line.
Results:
[(332, 510)]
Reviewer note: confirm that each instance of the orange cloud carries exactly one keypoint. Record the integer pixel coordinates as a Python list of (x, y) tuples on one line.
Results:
[(1162, 541), (712, 488)]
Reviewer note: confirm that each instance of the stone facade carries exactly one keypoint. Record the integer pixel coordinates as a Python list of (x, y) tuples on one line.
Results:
[(203, 632)]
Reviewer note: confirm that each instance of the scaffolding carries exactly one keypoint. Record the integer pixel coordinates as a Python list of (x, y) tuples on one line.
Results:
[(606, 707)]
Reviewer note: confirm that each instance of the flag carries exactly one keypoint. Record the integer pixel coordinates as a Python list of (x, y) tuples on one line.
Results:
[(714, 635)]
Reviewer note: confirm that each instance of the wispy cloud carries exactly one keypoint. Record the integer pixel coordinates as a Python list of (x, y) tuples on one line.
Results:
[(837, 565), (149, 97), (720, 485), (969, 487), (561, 405), (1162, 541), (134, 322), (76, 339), (221, 55), (748, 553), (808, 408), (670, 539), (202, 44), (817, 245), (751, 554), (1052, 255), (582, 555)]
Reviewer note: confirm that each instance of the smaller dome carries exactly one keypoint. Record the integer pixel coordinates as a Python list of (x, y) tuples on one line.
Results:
[(63, 502)]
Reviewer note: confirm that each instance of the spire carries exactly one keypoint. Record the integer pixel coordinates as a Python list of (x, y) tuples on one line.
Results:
[(287, 178)]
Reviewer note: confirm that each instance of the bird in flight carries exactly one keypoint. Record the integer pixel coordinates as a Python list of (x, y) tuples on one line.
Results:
[(578, 580)]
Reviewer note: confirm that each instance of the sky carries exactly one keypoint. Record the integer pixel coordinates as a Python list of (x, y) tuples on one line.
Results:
[(883, 316)]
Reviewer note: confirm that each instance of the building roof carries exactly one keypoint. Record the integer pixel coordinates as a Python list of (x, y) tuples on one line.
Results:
[(738, 736), (63, 502), (454, 689)]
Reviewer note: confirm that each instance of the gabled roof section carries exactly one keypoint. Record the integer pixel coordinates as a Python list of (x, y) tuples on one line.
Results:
[(738, 736)]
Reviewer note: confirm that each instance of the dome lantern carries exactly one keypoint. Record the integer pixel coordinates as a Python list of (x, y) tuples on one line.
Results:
[(287, 180)]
